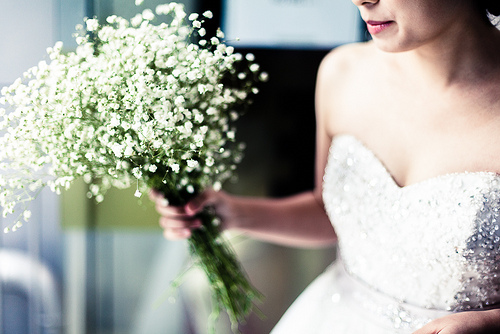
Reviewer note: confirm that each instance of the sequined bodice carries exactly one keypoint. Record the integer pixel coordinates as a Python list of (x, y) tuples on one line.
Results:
[(434, 244)]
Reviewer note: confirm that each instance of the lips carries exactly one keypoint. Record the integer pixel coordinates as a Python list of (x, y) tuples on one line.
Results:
[(376, 27)]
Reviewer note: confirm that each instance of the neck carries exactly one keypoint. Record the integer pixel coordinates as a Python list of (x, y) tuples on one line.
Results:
[(464, 55)]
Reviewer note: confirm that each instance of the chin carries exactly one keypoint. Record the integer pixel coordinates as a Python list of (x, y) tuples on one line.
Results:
[(391, 46)]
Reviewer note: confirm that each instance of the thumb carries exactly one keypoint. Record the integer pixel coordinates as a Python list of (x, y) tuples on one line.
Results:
[(197, 204)]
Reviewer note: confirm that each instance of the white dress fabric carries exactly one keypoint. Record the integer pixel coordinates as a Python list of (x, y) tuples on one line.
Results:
[(407, 254)]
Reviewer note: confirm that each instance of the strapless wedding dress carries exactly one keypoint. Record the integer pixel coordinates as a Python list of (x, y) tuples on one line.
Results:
[(407, 254)]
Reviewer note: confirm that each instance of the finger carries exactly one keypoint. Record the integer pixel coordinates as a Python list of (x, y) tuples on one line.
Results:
[(155, 195), (172, 211), (169, 223), (177, 234)]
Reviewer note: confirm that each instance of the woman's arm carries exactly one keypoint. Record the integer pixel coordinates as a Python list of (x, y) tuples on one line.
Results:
[(298, 220), (473, 322)]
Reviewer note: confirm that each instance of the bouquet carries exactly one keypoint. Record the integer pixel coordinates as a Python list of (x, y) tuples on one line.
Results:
[(137, 104)]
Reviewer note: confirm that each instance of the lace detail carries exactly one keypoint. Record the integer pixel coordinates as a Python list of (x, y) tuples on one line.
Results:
[(435, 244)]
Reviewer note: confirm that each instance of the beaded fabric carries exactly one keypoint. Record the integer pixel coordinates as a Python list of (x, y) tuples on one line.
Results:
[(435, 243), (409, 254)]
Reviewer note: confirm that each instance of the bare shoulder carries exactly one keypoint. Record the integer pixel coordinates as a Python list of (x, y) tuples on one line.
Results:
[(344, 59), (340, 75)]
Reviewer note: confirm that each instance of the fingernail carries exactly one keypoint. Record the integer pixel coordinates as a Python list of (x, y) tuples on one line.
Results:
[(190, 208), (164, 202)]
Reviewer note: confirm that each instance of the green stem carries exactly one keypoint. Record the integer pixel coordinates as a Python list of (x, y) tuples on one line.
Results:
[(230, 288)]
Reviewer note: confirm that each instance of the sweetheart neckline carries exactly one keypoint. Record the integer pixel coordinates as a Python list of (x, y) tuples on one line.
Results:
[(414, 184)]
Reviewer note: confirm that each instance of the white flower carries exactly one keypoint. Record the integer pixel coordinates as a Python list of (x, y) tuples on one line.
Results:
[(136, 171), (208, 14), (92, 24), (137, 193), (163, 9), (147, 14), (179, 100), (192, 163), (138, 2), (128, 151), (211, 111), (217, 186), (26, 215), (254, 67), (219, 33), (117, 149), (136, 20), (250, 57), (214, 40)]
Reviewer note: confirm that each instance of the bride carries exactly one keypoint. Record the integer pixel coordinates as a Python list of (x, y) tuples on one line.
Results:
[(408, 174)]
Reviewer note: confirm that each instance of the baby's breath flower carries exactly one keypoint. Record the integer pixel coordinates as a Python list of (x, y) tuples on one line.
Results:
[(92, 24), (192, 163), (219, 33), (250, 57), (136, 171), (27, 215), (254, 67), (214, 41), (264, 77), (148, 15)]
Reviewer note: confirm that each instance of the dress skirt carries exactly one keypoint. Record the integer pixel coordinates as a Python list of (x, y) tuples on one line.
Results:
[(337, 303)]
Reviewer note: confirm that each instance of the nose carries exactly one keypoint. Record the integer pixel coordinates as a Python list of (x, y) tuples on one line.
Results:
[(360, 3)]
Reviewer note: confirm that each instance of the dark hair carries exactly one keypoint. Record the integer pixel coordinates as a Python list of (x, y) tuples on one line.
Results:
[(489, 7)]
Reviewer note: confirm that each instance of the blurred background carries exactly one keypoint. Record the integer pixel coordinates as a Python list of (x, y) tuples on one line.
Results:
[(78, 267)]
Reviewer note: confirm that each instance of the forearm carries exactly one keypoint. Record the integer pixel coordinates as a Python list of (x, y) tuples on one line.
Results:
[(471, 322), (299, 220)]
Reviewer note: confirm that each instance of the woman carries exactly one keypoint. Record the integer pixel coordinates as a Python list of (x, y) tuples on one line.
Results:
[(408, 140)]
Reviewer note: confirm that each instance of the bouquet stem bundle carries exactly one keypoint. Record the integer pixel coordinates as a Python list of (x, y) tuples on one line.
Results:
[(231, 290)]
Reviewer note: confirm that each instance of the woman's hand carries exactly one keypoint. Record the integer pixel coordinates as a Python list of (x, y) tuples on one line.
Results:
[(473, 322), (179, 221), (298, 220)]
